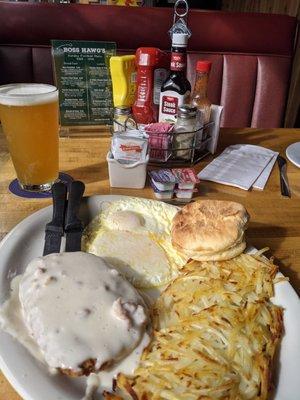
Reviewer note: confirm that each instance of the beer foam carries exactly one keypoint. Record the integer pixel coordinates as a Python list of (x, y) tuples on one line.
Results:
[(27, 94)]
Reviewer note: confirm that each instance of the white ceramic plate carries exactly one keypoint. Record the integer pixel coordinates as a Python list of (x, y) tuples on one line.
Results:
[(293, 153), (32, 380)]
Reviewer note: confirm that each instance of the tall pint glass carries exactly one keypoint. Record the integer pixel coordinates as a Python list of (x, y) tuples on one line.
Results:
[(29, 117)]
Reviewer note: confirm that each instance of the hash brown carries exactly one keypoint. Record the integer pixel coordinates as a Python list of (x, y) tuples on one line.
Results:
[(216, 335)]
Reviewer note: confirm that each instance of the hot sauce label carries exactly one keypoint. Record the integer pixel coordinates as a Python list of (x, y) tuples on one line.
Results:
[(178, 62)]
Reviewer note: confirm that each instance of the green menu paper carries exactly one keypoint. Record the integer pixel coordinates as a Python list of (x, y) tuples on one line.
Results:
[(84, 83)]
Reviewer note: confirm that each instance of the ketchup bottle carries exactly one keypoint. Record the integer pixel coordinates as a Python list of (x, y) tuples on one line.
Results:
[(152, 65)]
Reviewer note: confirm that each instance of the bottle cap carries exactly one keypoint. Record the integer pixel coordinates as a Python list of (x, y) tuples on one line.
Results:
[(203, 66), (180, 39), (187, 111)]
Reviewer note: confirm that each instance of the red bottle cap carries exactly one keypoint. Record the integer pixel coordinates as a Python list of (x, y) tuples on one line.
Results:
[(203, 66), (151, 56)]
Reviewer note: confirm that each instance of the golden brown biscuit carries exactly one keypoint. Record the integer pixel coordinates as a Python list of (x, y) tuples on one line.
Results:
[(209, 226), (218, 256)]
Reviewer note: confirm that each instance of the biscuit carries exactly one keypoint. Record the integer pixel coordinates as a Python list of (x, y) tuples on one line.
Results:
[(221, 255), (208, 227)]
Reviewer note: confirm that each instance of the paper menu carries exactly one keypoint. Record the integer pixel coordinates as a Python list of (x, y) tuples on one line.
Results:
[(242, 166)]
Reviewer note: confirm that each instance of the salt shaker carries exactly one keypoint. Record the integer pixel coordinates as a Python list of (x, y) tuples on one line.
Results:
[(123, 119), (187, 121)]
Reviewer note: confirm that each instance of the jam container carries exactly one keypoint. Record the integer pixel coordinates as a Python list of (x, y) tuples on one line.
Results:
[(163, 179), (186, 178), (185, 194), (161, 194)]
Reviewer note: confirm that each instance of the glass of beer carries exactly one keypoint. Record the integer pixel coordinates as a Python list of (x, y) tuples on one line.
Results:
[(29, 117)]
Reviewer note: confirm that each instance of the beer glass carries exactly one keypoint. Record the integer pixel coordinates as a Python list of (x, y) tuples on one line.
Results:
[(29, 117)]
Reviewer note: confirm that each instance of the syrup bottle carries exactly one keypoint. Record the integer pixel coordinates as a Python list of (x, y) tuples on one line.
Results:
[(176, 89)]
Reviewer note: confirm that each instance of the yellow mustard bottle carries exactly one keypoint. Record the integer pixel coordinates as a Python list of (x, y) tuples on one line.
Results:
[(123, 75)]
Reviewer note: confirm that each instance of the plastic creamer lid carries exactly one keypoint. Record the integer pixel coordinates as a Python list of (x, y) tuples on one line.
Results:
[(180, 39), (163, 176), (185, 175)]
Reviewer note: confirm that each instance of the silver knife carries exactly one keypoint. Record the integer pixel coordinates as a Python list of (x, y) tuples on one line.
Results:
[(55, 229), (73, 225), (284, 184)]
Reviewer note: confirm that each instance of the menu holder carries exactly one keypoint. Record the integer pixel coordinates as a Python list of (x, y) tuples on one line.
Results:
[(81, 72)]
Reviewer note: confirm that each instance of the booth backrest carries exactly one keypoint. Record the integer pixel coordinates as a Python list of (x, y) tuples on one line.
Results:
[(251, 53)]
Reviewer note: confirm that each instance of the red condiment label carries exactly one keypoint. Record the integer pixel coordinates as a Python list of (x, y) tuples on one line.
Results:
[(169, 105), (129, 147), (143, 88), (178, 61), (185, 175)]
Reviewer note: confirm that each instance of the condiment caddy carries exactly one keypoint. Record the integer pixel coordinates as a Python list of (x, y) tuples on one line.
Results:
[(183, 143), (186, 146), (158, 118)]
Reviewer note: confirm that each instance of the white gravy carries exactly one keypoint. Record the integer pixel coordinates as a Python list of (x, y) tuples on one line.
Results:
[(75, 308), (11, 321), (97, 383)]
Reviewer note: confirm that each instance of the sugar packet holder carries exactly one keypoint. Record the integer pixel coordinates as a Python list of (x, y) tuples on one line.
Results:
[(128, 159)]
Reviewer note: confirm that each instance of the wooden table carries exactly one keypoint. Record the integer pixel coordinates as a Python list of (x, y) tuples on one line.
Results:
[(275, 220)]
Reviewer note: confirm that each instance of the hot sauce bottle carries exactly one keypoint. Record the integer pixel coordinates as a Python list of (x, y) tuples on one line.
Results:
[(199, 95), (176, 89)]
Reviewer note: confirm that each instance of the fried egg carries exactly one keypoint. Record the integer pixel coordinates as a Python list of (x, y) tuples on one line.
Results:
[(134, 236)]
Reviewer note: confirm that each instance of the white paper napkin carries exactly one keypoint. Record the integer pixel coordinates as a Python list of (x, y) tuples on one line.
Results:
[(261, 181), (241, 165)]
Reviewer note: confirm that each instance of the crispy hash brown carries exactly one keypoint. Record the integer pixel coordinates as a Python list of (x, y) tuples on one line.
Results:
[(233, 283), (215, 337)]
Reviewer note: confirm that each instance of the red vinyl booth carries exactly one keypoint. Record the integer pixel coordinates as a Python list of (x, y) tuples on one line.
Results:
[(251, 53)]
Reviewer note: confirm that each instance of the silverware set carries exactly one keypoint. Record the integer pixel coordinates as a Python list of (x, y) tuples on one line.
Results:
[(65, 220)]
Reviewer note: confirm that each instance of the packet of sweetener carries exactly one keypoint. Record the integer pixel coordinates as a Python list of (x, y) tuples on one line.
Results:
[(159, 127), (129, 147), (159, 140), (185, 177)]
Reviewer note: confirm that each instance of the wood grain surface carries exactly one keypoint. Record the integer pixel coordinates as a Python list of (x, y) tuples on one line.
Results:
[(275, 220)]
